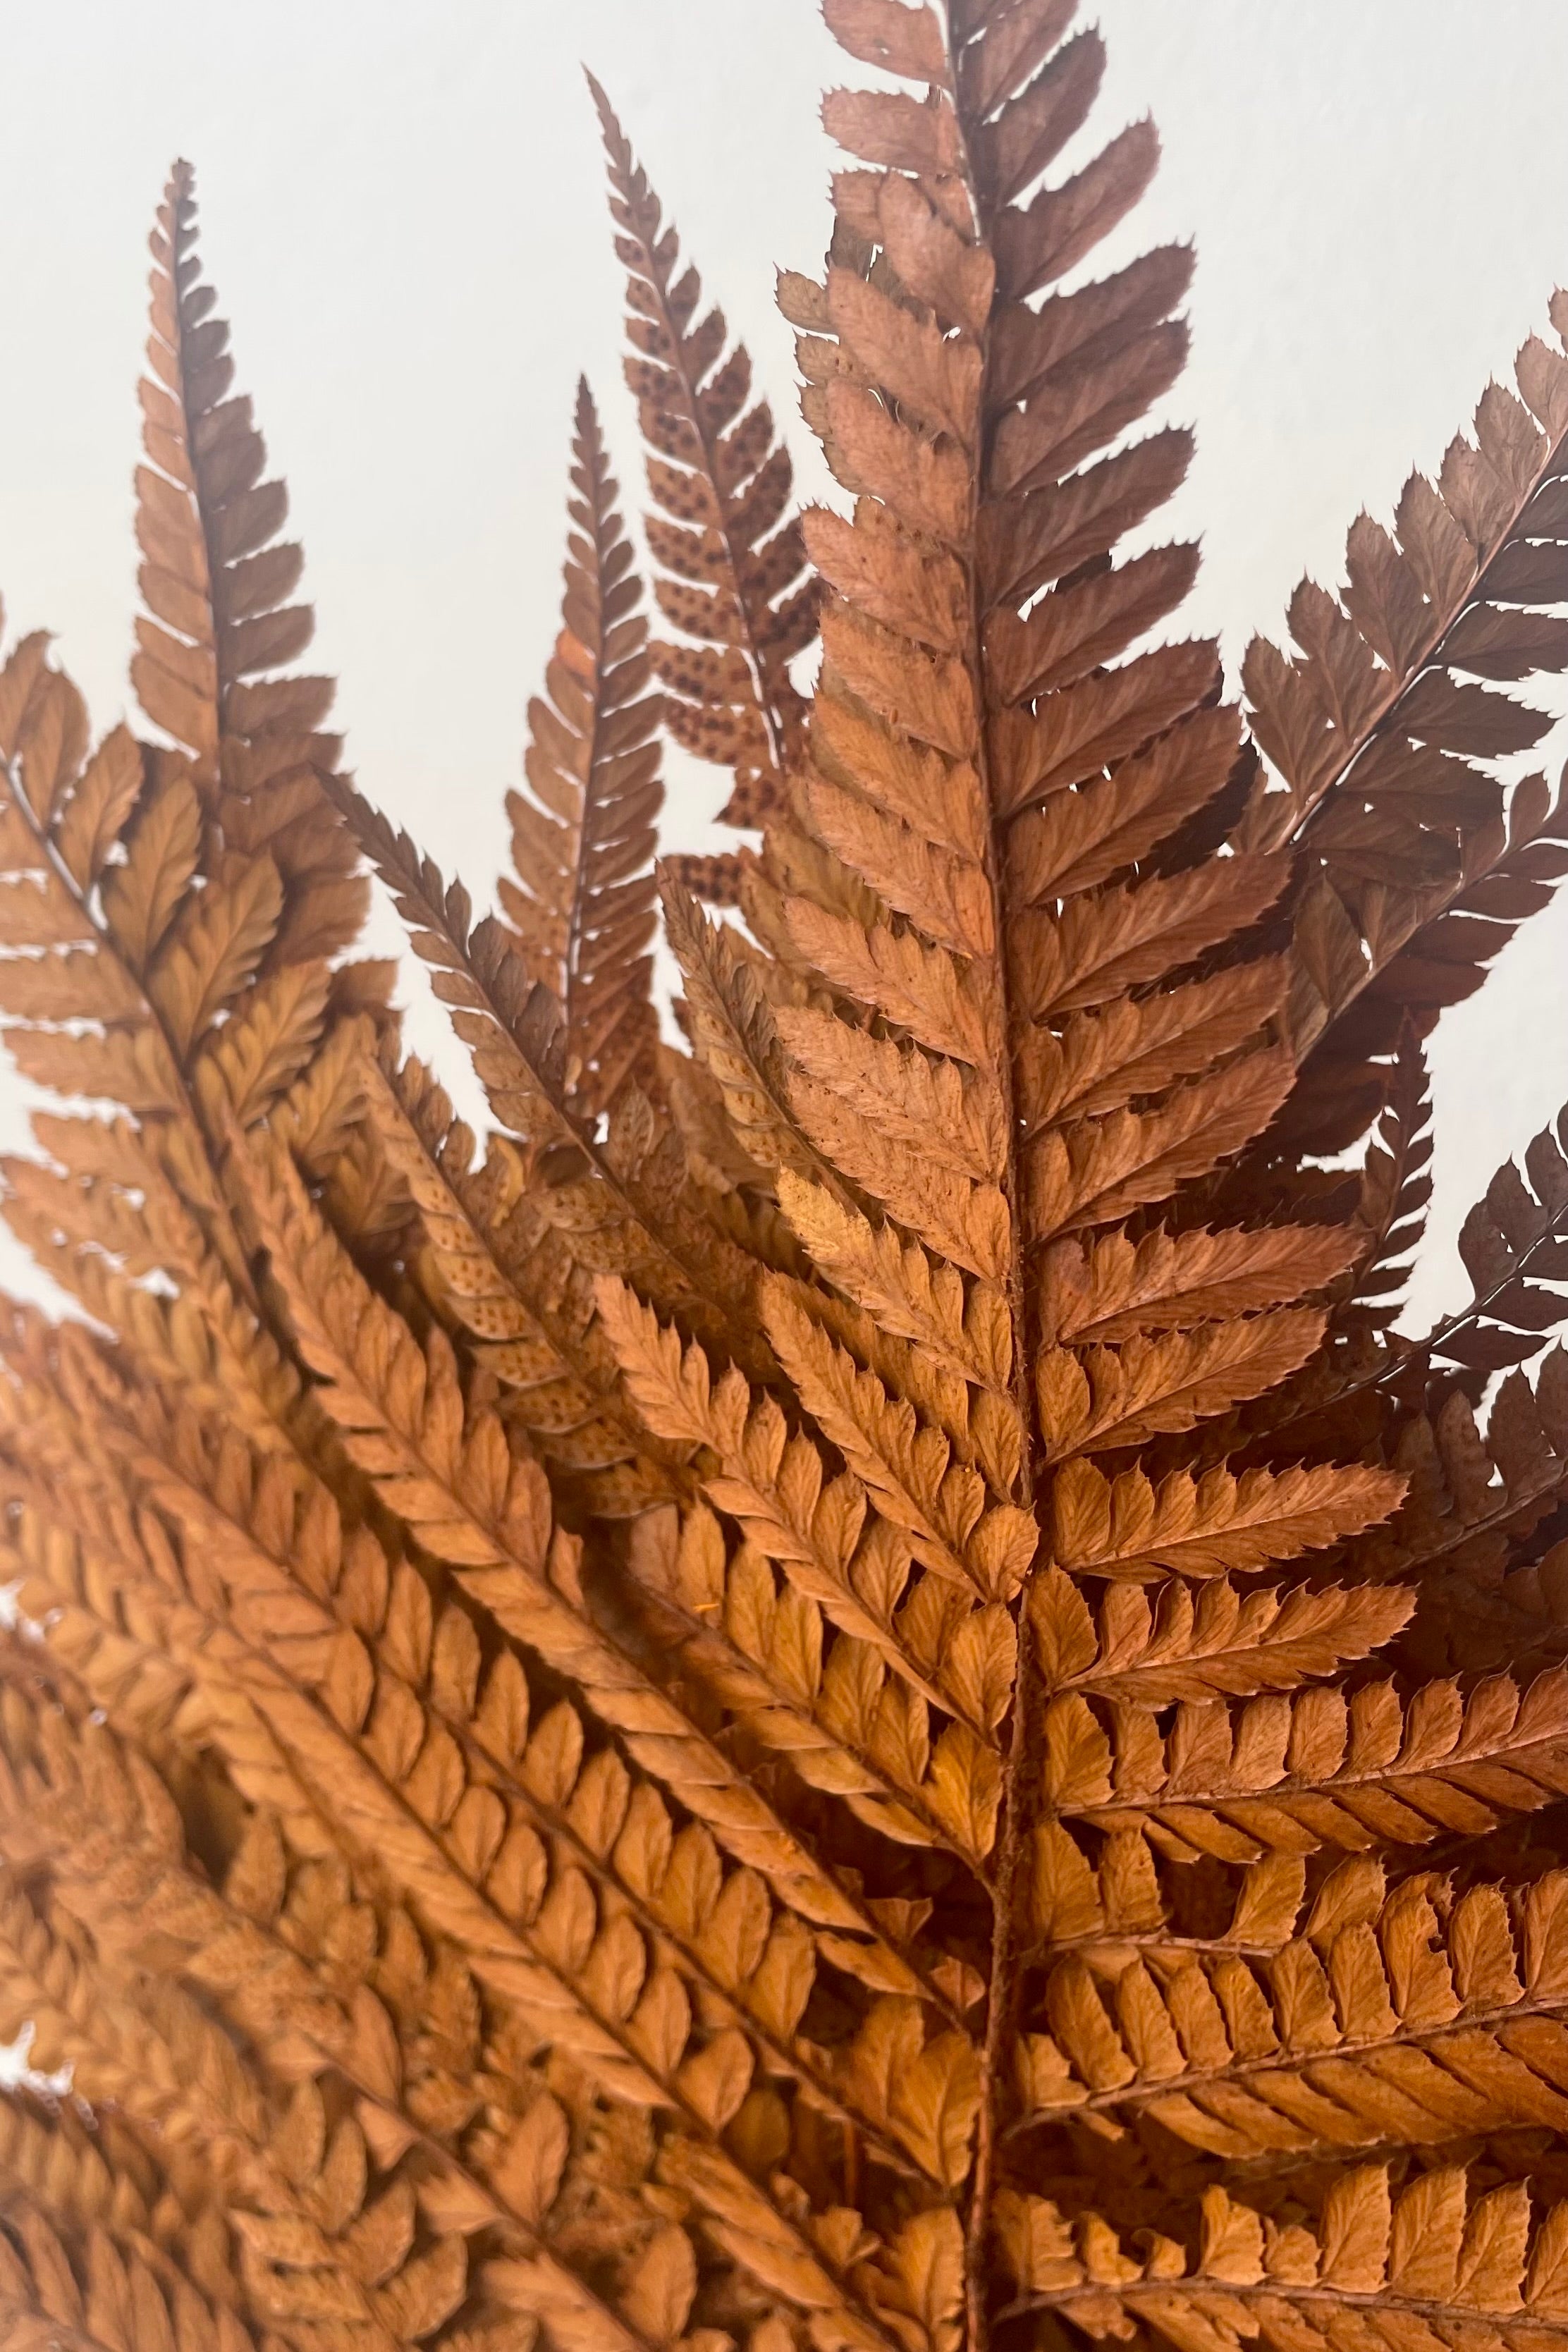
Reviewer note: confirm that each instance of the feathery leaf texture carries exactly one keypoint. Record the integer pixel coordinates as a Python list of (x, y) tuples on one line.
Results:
[(729, 561), (583, 837), (844, 1690)]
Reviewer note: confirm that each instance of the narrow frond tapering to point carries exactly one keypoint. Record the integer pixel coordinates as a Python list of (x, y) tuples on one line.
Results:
[(583, 837), (726, 549)]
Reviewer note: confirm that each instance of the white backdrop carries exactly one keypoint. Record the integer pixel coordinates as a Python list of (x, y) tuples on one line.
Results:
[(403, 216)]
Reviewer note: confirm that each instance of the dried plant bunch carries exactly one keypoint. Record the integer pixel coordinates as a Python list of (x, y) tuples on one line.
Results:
[(847, 1691)]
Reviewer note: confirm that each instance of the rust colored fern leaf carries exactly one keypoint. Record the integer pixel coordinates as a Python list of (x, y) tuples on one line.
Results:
[(846, 1689), (726, 549), (217, 578), (583, 837)]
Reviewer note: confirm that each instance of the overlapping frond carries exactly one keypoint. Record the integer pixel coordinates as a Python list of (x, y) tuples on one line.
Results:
[(999, 1008), (620, 1202)]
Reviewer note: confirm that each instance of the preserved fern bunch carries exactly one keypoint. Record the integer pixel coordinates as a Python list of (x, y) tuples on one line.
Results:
[(846, 1690)]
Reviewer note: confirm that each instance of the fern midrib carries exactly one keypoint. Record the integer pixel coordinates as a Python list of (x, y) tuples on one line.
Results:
[(577, 912), (1019, 1796), (1374, 2301), (1112, 1940)]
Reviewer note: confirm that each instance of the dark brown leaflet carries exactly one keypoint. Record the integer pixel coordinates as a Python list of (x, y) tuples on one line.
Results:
[(582, 903), (1382, 729), (726, 548)]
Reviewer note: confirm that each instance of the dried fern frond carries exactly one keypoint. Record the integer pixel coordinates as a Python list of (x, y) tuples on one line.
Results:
[(582, 903), (1383, 728), (846, 1690), (726, 549), (217, 578)]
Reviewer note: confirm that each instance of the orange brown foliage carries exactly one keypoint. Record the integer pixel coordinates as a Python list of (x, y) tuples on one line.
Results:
[(846, 1691)]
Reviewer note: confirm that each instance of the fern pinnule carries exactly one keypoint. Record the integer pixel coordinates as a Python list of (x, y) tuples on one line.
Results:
[(98, 2291), (582, 903), (1208, 1640), (1459, 2004)]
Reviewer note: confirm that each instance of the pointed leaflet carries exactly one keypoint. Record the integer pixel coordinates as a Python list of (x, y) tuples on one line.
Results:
[(727, 551), (216, 579), (582, 835)]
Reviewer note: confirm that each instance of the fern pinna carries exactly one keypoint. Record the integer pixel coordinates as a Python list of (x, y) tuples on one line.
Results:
[(847, 1689)]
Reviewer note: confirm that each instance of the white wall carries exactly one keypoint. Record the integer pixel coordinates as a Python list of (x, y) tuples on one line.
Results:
[(404, 217)]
